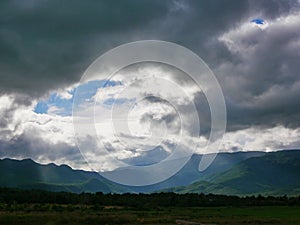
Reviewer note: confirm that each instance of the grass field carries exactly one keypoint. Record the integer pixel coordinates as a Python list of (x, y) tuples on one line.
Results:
[(83, 214)]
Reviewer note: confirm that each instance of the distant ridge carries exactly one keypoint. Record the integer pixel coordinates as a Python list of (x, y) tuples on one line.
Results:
[(239, 173), (275, 173), (27, 174)]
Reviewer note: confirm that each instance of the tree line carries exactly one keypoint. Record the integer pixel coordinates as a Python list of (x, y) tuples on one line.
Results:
[(169, 199)]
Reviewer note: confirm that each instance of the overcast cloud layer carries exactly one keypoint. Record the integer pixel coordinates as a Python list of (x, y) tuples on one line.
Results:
[(45, 46)]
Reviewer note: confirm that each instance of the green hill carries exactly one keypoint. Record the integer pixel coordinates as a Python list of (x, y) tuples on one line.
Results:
[(242, 173), (190, 173), (28, 174), (275, 173)]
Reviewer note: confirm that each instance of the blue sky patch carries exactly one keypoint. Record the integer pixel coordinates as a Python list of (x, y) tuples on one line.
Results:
[(64, 105), (87, 90), (258, 21), (41, 108)]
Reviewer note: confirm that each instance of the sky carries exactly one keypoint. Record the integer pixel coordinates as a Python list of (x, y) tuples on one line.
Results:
[(252, 47)]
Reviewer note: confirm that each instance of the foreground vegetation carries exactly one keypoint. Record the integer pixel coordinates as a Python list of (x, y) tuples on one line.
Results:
[(54, 208), (52, 214)]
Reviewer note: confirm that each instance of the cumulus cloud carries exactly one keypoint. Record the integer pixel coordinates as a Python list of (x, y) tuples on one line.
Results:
[(255, 139), (42, 137), (138, 116), (261, 83)]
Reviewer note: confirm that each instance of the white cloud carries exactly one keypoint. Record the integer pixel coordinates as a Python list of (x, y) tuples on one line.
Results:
[(143, 111), (43, 137), (259, 139), (54, 110), (65, 95)]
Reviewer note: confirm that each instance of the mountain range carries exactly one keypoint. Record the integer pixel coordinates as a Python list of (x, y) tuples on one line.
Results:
[(239, 173)]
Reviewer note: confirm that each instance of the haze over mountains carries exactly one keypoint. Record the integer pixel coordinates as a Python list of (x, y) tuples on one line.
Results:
[(240, 173)]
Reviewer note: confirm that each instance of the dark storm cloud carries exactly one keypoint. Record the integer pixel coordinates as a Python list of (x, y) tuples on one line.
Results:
[(262, 88), (45, 45), (48, 44), (200, 26)]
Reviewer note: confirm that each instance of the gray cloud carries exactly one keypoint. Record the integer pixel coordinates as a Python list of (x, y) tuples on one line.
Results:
[(32, 146), (261, 88), (45, 45)]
